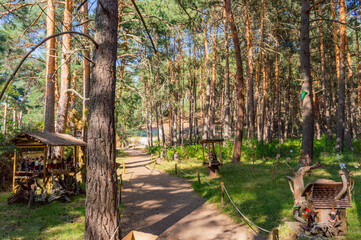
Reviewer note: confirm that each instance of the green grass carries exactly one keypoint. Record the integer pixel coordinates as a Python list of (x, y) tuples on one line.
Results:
[(266, 201), (55, 220)]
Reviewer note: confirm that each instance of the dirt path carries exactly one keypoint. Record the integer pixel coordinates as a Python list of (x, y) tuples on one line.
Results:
[(166, 206)]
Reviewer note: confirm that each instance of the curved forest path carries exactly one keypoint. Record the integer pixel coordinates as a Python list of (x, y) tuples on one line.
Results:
[(166, 206)]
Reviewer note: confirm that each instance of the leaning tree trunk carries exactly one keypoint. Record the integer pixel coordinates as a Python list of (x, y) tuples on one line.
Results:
[(50, 69), (308, 121), (239, 83), (102, 213), (340, 126)]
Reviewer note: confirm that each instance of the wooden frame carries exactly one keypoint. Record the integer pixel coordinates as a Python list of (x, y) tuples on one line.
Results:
[(210, 144), (33, 142)]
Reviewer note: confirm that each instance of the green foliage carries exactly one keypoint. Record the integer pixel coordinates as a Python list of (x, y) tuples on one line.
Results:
[(265, 200)]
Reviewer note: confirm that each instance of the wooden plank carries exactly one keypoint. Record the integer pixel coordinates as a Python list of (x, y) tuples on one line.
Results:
[(203, 153), (14, 171), (220, 153)]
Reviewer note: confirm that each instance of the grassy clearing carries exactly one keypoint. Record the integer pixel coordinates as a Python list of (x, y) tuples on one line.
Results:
[(55, 220), (266, 201)]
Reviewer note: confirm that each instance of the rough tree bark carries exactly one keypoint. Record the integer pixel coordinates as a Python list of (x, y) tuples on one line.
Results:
[(86, 73), (102, 213), (239, 84), (341, 117), (62, 113), (249, 62), (308, 115), (50, 69)]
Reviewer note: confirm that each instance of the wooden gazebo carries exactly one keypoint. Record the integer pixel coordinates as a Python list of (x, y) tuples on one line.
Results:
[(40, 144), (213, 163)]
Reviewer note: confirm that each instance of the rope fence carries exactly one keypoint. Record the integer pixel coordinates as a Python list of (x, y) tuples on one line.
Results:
[(274, 231)]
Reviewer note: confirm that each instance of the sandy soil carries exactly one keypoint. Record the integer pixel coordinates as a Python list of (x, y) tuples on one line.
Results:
[(166, 206)]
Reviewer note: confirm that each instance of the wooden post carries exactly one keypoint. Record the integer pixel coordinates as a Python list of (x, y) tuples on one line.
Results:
[(220, 153), (203, 153), (275, 234), (175, 168), (123, 167), (209, 154), (120, 186), (222, 190), (14, 173), (44, 169), (199, 178)]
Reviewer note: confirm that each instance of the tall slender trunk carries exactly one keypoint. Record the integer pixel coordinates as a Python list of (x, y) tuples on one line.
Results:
[(239, 84), (249, 63), (308, 113), (358, 77), (335, 37), (226, 131), (350, 106), (157, 119), (102, 217), (326, 110), (213, 83), (261, 67), (86, 74), (162, 125), (65, 70), (341, 117), (5, 114), (50, 69), (287, 98), (208, 86), (190, 99)]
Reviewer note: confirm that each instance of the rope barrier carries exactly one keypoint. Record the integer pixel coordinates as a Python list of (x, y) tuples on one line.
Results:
[(234, 205)]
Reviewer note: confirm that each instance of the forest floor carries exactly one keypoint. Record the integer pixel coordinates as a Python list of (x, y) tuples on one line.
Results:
[(166, 206)]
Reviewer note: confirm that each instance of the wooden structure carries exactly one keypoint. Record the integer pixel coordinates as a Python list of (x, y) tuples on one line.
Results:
[(324, 196), (41, 143), (213, 164)]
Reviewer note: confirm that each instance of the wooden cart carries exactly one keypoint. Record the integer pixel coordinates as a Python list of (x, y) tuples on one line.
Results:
[(30, 143), (213, 164)]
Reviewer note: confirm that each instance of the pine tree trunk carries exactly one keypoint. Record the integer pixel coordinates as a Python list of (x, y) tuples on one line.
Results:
[(287, 98), (326, 110), (239, 84), (86, 74), (308, 113), (341, 117), (213, 82), (226, 131), (249, 63), (62, 114), (264, 83), (190, 99), (358, 77), (102, 213), (50, 69), (208, 87)]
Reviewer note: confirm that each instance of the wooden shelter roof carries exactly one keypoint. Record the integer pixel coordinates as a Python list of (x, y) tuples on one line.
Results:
[(211, 140), (324, 193), (43, 138)]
